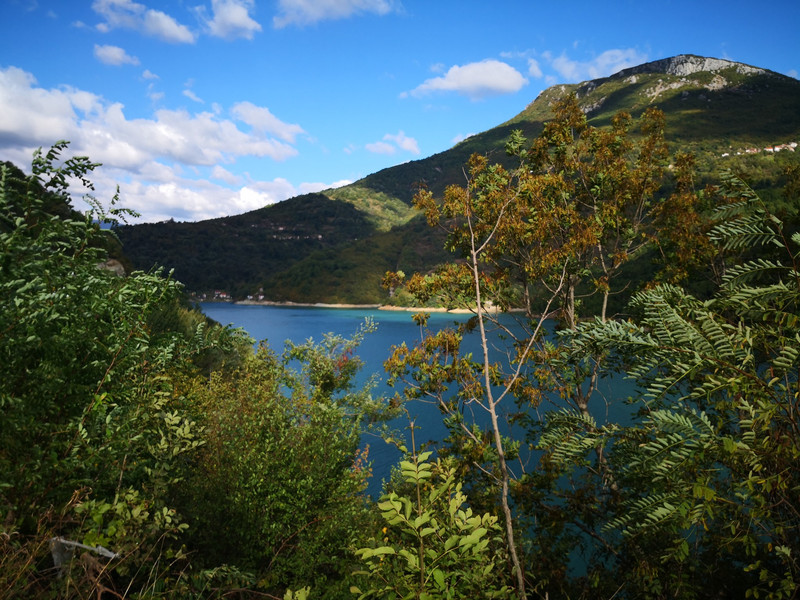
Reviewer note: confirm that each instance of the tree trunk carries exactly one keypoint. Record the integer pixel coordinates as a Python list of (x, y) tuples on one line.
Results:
[(498, 440)]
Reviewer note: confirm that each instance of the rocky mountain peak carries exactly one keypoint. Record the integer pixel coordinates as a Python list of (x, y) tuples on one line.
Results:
[(688, 64), (678, 71)]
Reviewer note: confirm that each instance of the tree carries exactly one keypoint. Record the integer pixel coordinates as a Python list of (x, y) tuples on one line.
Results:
[(149, 449), (544, 236), (706, 475)]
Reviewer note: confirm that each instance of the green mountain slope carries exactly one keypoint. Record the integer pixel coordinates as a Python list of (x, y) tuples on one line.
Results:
[(352, 273), (335, 246), (236, 253)]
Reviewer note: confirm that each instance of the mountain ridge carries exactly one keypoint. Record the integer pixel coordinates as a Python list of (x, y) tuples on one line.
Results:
[(712, 107), (688, 64)]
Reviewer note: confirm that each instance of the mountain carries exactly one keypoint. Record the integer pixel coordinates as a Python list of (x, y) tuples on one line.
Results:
[(335, 246)]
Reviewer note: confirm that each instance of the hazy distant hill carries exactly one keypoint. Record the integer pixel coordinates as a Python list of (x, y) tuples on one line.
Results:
[(335, 246)]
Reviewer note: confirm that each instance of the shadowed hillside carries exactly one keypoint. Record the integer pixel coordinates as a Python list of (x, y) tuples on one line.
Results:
[(236, 253)]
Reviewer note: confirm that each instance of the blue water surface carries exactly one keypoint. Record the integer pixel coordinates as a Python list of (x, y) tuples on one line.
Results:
[(277, 324)]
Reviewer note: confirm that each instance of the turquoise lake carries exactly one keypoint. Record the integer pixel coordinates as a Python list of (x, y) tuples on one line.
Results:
[(276, 324)]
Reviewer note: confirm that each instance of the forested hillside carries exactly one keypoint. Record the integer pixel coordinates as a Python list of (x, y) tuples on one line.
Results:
[(234, 253), (726, 114)]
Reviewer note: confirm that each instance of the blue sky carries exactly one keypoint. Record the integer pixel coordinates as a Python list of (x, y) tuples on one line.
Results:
[(204, 108)]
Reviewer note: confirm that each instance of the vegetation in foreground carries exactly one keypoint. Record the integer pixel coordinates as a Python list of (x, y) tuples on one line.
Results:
[(146, 453)]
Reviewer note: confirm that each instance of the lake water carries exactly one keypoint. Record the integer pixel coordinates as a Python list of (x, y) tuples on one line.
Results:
[(277, 324)]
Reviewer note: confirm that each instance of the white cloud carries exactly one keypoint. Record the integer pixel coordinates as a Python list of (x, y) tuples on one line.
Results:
[(475, 80), (392, 142), (148, 74), (162, 192), (197, 139), (603, 65), (33, 116), (403, 142), (310, 188), (158, 161), (262, 120), (114, 55), (253, 197), (192, 96), (381, 148), (161, 25), (307, 12), (534, 70), (232, 19), (186, 199), (223, 174), (127, 14)]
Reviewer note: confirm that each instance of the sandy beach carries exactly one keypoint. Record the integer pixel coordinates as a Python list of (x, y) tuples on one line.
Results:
[(430, 309)]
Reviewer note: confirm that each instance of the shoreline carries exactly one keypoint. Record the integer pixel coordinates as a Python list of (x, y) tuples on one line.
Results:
[(302, 304), (387, 307)]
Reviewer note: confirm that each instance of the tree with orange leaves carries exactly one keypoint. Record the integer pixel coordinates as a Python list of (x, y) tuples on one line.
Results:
[(580, 204)]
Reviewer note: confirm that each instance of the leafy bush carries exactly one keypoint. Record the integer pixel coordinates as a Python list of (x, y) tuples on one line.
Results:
[(91, 433), (277, 488), (432, 545)]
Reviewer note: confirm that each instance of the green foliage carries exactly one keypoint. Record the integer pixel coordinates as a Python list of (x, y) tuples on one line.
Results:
[(383, 210), (236, 254), (328, 373), (277, 487), (214, 348), (581, 202), (152, 447), (562, 225), (353, 273), (91, 433), (432, 545), (707, 473)]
